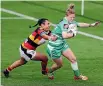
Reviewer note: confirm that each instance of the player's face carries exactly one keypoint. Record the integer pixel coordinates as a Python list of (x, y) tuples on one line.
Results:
[(46, 25), (71, 17)]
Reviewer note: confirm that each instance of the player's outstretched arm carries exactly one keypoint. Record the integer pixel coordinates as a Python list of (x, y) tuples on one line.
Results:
[(88, 25)]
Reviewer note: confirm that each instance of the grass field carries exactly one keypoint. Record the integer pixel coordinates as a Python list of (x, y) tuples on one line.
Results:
[(89, 51)]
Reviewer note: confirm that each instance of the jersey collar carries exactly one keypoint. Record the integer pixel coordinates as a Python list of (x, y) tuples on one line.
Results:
[(67, 20)]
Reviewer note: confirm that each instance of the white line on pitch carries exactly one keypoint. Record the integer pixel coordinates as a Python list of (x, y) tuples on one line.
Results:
[(35, 19), (12, 18)]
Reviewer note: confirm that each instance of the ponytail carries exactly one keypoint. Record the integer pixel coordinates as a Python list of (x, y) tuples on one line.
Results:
[(71, 6), (40, 21), (33, 26), (70, 9)]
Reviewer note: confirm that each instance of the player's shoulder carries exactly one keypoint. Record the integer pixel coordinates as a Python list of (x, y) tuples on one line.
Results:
[(38, 30), (75, 22), (63, 22)]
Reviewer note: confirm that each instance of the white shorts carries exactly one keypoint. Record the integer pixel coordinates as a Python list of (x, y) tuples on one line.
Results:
[(27, 54)]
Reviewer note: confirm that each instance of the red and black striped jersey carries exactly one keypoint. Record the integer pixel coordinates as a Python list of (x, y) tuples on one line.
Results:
[(35, 39)]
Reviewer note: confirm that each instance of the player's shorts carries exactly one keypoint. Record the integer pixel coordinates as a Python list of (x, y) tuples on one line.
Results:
[(27, 54), (56, 52)]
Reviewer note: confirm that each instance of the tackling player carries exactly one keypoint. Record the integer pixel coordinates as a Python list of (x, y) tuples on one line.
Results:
[(28, 47)]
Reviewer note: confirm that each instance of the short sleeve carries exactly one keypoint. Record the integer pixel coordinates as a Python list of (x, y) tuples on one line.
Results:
[(76, 23), (41, 32), (64, 26)]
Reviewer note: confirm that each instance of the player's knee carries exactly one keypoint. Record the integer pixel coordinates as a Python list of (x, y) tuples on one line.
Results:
[(23, 61), (45, 59), (60, 65), (73, 60)]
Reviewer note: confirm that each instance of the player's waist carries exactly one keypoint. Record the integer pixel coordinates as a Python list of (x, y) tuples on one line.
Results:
[(55, 47), (29, 46), (56, 44)]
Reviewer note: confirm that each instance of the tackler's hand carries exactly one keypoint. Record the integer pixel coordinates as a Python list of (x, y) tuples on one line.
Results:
[(53, 37)]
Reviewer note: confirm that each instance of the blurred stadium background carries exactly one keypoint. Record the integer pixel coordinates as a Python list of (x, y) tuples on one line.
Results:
[(89, 51)]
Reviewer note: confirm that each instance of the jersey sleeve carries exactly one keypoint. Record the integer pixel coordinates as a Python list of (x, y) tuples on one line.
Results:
[(41, 32), (46, 33), (76, 23)]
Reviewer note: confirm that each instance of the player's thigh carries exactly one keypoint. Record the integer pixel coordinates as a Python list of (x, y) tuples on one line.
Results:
[(26, 54), (54, 53), (39, 56), (22, 60), (58, 61), (69, 54)]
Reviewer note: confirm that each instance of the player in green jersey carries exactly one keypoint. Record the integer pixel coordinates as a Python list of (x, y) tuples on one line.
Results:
[(57, 48)]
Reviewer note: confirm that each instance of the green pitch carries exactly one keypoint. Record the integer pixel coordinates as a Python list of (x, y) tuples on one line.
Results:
[(89, 51)]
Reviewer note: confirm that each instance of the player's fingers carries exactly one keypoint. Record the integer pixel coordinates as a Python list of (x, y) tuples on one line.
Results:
[(98, 22)]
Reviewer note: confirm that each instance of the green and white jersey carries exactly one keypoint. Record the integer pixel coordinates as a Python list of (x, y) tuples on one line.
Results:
[(62, 26)]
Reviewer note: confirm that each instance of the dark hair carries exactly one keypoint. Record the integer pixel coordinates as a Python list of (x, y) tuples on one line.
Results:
[(40, 21)]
